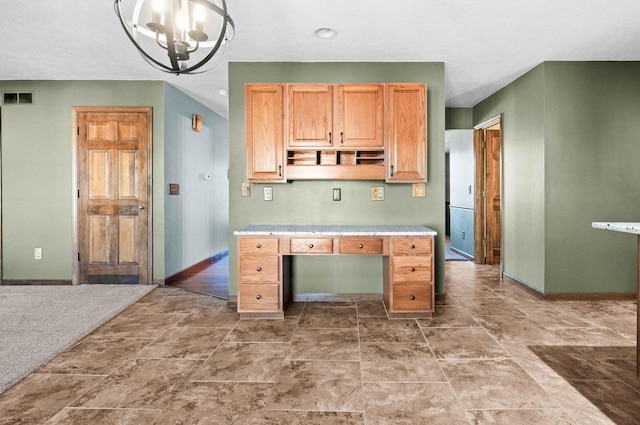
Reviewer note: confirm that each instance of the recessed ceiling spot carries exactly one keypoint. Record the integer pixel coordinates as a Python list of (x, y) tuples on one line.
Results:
[(325, 32)]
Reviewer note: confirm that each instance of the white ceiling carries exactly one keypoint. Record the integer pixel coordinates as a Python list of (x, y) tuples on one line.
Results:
[(485, 44)]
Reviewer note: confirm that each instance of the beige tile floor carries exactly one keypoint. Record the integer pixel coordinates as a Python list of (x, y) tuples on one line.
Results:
[(494, 354)]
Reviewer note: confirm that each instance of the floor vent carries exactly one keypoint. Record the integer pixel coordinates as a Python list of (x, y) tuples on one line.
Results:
[(17, 98)]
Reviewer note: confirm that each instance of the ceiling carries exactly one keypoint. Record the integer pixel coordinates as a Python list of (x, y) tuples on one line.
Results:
[(484, 44)]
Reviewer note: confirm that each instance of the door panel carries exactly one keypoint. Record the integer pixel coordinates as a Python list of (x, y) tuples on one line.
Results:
[(493, 196), (113, 194)]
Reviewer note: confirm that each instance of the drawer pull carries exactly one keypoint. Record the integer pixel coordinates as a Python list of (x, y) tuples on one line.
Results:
[(260, 269), (310, 245), (258, 246), (412, 297), (258, 296), (360, 246), (412, 246), (413, 269)]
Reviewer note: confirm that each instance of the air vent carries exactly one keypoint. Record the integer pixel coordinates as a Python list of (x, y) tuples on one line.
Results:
[(17, 98)]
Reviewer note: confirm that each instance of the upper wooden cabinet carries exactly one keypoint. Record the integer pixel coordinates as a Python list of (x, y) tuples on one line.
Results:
[(310, 115), (360, 115), (406, 133), (341, 132), (264, 105)]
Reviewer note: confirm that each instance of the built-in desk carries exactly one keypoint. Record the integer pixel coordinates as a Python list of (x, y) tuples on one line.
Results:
[(265, 251), (633, 228)]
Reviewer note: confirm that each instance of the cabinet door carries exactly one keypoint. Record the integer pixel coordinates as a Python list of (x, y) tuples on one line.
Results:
[(265, 139), (406, 132), (360, 115), (310, 115)]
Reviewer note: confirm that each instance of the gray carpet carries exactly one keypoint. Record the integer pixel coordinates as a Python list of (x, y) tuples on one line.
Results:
[(39, 322)]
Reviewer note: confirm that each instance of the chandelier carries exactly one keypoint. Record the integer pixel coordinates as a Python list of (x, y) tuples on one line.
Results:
[(177, 36)]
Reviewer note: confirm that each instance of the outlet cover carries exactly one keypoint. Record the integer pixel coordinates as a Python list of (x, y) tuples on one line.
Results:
[(419, 190), (268, 193), (37, 253), (246, 189), (377, 193)]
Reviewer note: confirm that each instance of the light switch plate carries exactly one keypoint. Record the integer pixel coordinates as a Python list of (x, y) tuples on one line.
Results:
[(268, 193), (377, 193), (419, 190)]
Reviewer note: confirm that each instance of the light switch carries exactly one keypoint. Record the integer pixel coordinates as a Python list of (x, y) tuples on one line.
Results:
[(418, 190), (246, 189)]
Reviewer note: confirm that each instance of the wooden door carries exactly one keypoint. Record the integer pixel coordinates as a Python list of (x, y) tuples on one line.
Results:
[(264, 132), (407, 141), (492, 201), (113, 195), (360, 115), (310, 115)]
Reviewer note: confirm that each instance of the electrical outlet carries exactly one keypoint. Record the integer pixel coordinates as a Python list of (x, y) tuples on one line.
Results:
[(246, 189), (37, 253), (419, 190), (377, 193), (268, 193)]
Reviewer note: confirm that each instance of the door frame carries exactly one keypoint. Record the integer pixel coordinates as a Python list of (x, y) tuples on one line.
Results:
[(75, 188), (480, 173)]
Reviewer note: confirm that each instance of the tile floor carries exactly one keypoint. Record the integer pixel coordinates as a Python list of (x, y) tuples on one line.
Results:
[(494, 354)]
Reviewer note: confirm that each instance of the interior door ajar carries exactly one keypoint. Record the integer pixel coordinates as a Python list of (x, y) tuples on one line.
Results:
[(113, 238)]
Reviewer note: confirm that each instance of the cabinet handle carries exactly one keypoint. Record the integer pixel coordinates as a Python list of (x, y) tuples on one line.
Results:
[(412, 246), (258, 296), (341, 138), (413, 269), (392, 171), (279, 170), (310, 245), (412, 297), (259, 269), (259, 246), (360, 246), (330, 137)]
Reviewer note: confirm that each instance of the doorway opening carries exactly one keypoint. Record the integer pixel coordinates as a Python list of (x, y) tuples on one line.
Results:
[(487, 142)]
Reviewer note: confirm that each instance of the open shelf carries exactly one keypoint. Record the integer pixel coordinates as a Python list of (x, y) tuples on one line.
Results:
[(335, 164)]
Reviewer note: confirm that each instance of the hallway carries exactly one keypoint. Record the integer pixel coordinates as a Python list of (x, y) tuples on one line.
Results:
[(494, 354)]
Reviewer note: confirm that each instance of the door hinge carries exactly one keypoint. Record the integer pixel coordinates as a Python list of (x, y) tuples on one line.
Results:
[(484, 193), (484, 144), (78, 257), (78, 193), (78, 130), (484, 243)]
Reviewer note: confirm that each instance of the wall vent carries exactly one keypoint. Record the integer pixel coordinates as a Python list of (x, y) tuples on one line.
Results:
[(17, 98)]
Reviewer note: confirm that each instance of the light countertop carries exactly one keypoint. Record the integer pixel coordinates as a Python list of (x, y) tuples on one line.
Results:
[(333, 230), (618, 227)]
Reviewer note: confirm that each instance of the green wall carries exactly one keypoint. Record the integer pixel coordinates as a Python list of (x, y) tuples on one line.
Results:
[(310, 202), (458, 118), (523, 168), (197, 220), (37, 175), (570, 157), (592, 157), (37, 166)]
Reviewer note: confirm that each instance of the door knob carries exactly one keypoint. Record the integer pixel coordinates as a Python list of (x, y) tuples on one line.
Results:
[(141, 206)]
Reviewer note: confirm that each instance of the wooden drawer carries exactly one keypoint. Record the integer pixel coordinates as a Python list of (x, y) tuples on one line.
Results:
[(412, 246), (311, 245), (258, 245), (412, 269), (360, 245), (259, 297), (259, 268), (412, 296)]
